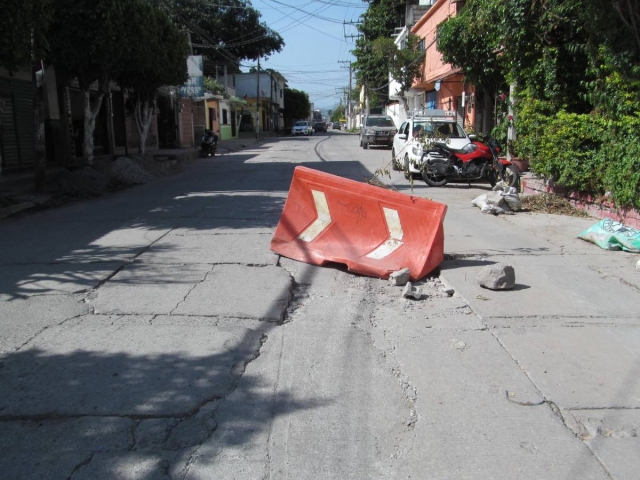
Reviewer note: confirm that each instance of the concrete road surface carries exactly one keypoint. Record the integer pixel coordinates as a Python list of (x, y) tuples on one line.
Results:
[(152, 334)]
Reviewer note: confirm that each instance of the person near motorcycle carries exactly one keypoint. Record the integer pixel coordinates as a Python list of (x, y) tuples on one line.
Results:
[(208, 144)]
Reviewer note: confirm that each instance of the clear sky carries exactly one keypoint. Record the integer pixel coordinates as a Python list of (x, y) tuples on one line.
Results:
[(314, 34)]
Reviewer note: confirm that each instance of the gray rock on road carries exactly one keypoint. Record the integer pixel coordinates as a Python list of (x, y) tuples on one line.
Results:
[(411, 292), (400, 278), (497, 277)]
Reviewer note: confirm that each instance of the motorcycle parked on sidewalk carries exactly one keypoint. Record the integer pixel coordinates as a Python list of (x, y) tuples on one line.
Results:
[(208, 144), (477, 160)]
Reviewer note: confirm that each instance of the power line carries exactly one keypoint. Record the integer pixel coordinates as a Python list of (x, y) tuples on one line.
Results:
[(272, 23), (307, 25), (326, 19)]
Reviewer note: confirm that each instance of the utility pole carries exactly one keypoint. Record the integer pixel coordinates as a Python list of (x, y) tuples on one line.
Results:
[(258, 101), (351, 118), (351, 125), (349, 109)]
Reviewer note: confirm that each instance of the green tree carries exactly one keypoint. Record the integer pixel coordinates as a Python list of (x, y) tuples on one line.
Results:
[(338, 113), (88, 39), (576, 64), (379, 21), (552, 48), (296, 105), (226, 30), (23, 26), (403, 64), (211, 85), (157, 56), (23, 42), (472, 41)]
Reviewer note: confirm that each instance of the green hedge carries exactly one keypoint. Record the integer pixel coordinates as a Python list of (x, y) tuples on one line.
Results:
[(584, 153)]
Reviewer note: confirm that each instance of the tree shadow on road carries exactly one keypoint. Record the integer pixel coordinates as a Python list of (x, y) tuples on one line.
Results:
[(97, 393), (66, 400)]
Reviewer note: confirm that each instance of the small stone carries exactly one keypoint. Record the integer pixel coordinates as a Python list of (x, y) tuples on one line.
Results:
[(446, 287), (497, 277), (400, 278), (449, 291), (411, 291), (638, 265)]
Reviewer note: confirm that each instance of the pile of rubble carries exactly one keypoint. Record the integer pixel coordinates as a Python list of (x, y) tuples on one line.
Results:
[(505, 200), (437, 286), (492, 277), (87, 181)]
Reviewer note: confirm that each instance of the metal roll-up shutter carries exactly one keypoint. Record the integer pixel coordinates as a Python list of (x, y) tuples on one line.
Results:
[(16, 127)]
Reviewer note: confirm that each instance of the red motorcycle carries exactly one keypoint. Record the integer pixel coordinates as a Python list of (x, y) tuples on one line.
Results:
[(442, 164)]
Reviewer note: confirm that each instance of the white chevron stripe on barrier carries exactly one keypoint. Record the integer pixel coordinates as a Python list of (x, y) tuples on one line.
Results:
[(395, 236), (320, 223)]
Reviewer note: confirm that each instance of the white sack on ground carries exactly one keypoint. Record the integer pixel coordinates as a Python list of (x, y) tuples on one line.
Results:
[(494, 205), (510, 195)]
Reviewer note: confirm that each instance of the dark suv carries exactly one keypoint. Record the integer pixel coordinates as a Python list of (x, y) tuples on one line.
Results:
[(377, 130), (320, 127)]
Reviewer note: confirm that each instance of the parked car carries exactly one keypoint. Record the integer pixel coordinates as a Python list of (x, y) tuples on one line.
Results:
[(337, 126), (407, 147), (377, 130), (320, 127), (302, 128)]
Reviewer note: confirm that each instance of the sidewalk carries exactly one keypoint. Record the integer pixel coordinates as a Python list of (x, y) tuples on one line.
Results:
[(17, 188)]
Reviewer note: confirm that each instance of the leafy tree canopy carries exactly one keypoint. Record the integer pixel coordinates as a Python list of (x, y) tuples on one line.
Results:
[(403, 64), (156, 53), (23, 26), (296, 104), (337, 114), (86, 38), (576, 64), (471, 41), (379, 21), (553, 48), (213, 86), (233, 25)]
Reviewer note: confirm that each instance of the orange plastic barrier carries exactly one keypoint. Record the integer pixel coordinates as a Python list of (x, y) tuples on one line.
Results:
[(373, 231)]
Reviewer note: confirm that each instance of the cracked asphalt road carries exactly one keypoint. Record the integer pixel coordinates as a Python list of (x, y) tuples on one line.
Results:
[(151, 334)]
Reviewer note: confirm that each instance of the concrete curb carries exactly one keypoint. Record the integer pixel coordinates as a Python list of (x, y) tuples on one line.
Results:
[(13, 209), (629, 217), (26, 202)]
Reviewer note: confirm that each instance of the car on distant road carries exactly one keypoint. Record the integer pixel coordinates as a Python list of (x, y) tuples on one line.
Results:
[(337, 126), (301, 128), (377, 130), (320, 127)]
